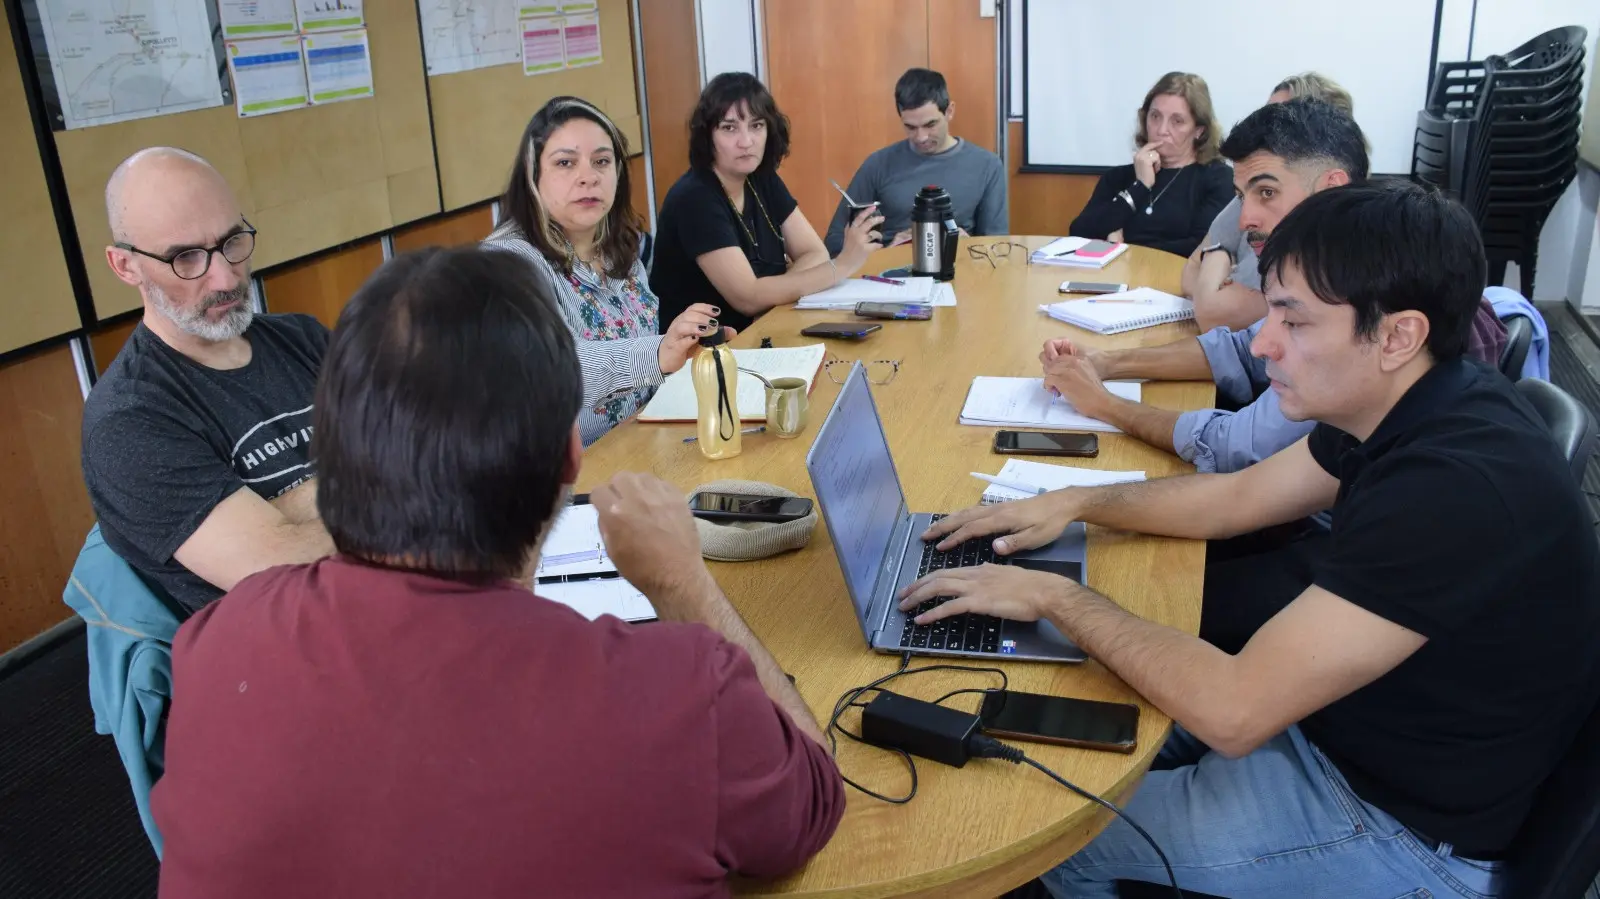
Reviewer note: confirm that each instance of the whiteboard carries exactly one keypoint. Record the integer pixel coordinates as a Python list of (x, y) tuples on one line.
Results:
[(1089, 64)]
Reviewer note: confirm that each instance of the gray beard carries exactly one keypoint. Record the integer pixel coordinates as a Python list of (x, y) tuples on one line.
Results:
[(194, 322)]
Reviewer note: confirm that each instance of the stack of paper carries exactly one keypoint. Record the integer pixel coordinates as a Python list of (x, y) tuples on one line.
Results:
[(1025, 403), (575, 571), (1113, 313), (1064, 251), (846, 294), (675, 401), (1050, 477)]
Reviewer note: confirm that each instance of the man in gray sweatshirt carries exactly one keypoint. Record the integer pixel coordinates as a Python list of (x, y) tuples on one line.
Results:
[(891, 177)]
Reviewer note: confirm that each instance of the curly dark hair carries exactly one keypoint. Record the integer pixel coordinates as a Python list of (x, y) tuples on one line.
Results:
[(725, 92)]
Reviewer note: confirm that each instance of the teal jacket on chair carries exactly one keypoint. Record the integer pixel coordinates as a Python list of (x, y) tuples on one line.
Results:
[(130, 631)]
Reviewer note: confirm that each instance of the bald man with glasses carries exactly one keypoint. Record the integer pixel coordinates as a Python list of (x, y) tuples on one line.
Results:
[(196, 440)]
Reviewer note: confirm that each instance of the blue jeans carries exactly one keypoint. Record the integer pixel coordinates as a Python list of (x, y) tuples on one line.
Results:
[(1279, 822)]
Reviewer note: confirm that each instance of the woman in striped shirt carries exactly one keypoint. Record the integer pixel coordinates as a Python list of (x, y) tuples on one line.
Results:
[(566, 209)]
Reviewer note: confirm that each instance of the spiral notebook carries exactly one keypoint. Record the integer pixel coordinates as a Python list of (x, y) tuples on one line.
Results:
[(1114, 313), (1050, 477)]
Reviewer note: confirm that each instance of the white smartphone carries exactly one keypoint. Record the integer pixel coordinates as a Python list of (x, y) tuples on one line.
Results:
[(1090, 287)]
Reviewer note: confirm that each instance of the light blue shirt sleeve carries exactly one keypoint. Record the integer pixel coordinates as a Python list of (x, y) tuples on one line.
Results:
[(1221, 442), (1239, 375)]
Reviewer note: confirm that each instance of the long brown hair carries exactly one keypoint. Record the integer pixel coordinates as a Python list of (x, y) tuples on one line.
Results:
[(1193, 90), (617, 237)]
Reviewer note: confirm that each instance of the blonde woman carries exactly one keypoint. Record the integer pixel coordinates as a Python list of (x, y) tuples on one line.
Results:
[(1176, 183), (566, 210)]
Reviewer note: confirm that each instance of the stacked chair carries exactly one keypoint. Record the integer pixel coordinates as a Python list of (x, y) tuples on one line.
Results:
[(1501, 135)]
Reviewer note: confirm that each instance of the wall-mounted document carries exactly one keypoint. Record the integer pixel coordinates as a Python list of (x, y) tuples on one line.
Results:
[(581, 36), (338, 66), (269, 75), (330, 15), (1025, 403), (542, 46), (242, 19), (460, 37)]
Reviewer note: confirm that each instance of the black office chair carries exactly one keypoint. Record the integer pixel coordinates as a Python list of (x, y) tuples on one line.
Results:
[(1519, 337), (1570, 423), (1557, 853), (647, 250)]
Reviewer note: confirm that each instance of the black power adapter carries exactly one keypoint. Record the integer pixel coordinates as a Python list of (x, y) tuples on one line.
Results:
[(921, 728)]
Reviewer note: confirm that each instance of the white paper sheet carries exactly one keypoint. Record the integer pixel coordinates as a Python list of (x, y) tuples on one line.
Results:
[(581, 36), (1025, 403), (541, 46), (114, 62), (609, 596), (269, 75), (245, 19), (328, 15), (462, 35), (574, 545), (676, 401), (1050, 477), (339, 66)]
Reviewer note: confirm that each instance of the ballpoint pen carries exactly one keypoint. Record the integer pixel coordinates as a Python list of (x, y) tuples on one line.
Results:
[(1009, 485), (755, 430), (881, 280)]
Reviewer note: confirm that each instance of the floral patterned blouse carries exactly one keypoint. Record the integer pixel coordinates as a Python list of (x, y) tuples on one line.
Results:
[(614, 323)]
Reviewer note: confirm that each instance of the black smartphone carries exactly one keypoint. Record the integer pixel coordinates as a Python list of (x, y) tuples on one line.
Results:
[(916, 312), (748, 507), (841, 330), (1090, 287), (1061, 720), (1038, 443)]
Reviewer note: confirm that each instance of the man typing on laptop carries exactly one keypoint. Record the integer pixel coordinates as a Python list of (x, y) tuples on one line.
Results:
[(1386, 732)]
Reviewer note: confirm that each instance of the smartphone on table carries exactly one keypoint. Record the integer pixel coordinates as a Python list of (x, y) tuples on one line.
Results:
[(748, 507), (917, 312), (1060, 720), (1095, 287), (841, 330), (1040, 443)]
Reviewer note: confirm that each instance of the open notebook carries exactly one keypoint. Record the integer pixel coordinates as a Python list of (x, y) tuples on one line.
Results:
[(1025, 403), (1064, 251), (1113, 313), (1050, 477), (675, 401), (575, 571), (846, 294)]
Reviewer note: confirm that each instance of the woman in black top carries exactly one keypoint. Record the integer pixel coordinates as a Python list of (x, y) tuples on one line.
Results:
[(729, 233), (1176, 185)]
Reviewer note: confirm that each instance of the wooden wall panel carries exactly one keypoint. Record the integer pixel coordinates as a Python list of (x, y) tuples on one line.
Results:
[(832, 70), (478, 116), (672, 83), (961, 47), (467, 226), (106, 342), (321, 286), (309, 179), (38, 303), (1042, 204), (46, 505)]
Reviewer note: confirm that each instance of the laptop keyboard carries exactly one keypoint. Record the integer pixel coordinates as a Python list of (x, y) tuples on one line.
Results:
[(959, 633)]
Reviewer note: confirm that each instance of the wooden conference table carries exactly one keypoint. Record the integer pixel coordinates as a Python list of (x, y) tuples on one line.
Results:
[(983, 829)]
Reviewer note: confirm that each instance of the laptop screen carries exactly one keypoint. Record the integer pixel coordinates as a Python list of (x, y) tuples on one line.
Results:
[(854, 477)]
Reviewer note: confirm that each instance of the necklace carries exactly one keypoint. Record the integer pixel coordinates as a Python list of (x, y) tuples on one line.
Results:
[(754, 246), (1150, 208)]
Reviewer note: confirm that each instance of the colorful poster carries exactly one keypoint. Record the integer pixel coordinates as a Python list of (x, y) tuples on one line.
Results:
[(256, 18), (581, 38), (338, 66), (528, 9), (542, 47), (569, 7), (326, 15), (269, 75)]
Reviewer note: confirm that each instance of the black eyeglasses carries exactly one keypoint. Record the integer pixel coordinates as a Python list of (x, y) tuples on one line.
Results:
[(989, 254), (194, 262)]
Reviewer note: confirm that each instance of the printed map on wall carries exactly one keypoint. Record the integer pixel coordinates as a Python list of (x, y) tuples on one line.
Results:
[(461, 35), (115, 60)]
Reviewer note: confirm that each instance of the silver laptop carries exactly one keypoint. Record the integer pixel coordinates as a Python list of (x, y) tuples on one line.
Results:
[(878, 542)]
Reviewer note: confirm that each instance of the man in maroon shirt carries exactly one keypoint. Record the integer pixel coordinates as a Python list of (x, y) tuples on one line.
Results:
[(406, 718)]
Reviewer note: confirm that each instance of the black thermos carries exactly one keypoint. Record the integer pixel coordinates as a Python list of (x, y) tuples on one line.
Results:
[(933, 235)]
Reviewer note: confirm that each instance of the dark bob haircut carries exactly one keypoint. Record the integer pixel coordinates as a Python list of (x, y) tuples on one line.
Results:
[(919, 87), (444, 414), (1301, 130), (727, 91), (617, 237), (1384, 247)]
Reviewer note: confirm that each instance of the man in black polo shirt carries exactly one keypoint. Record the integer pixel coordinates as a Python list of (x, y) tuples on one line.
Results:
[(1384, 735)]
